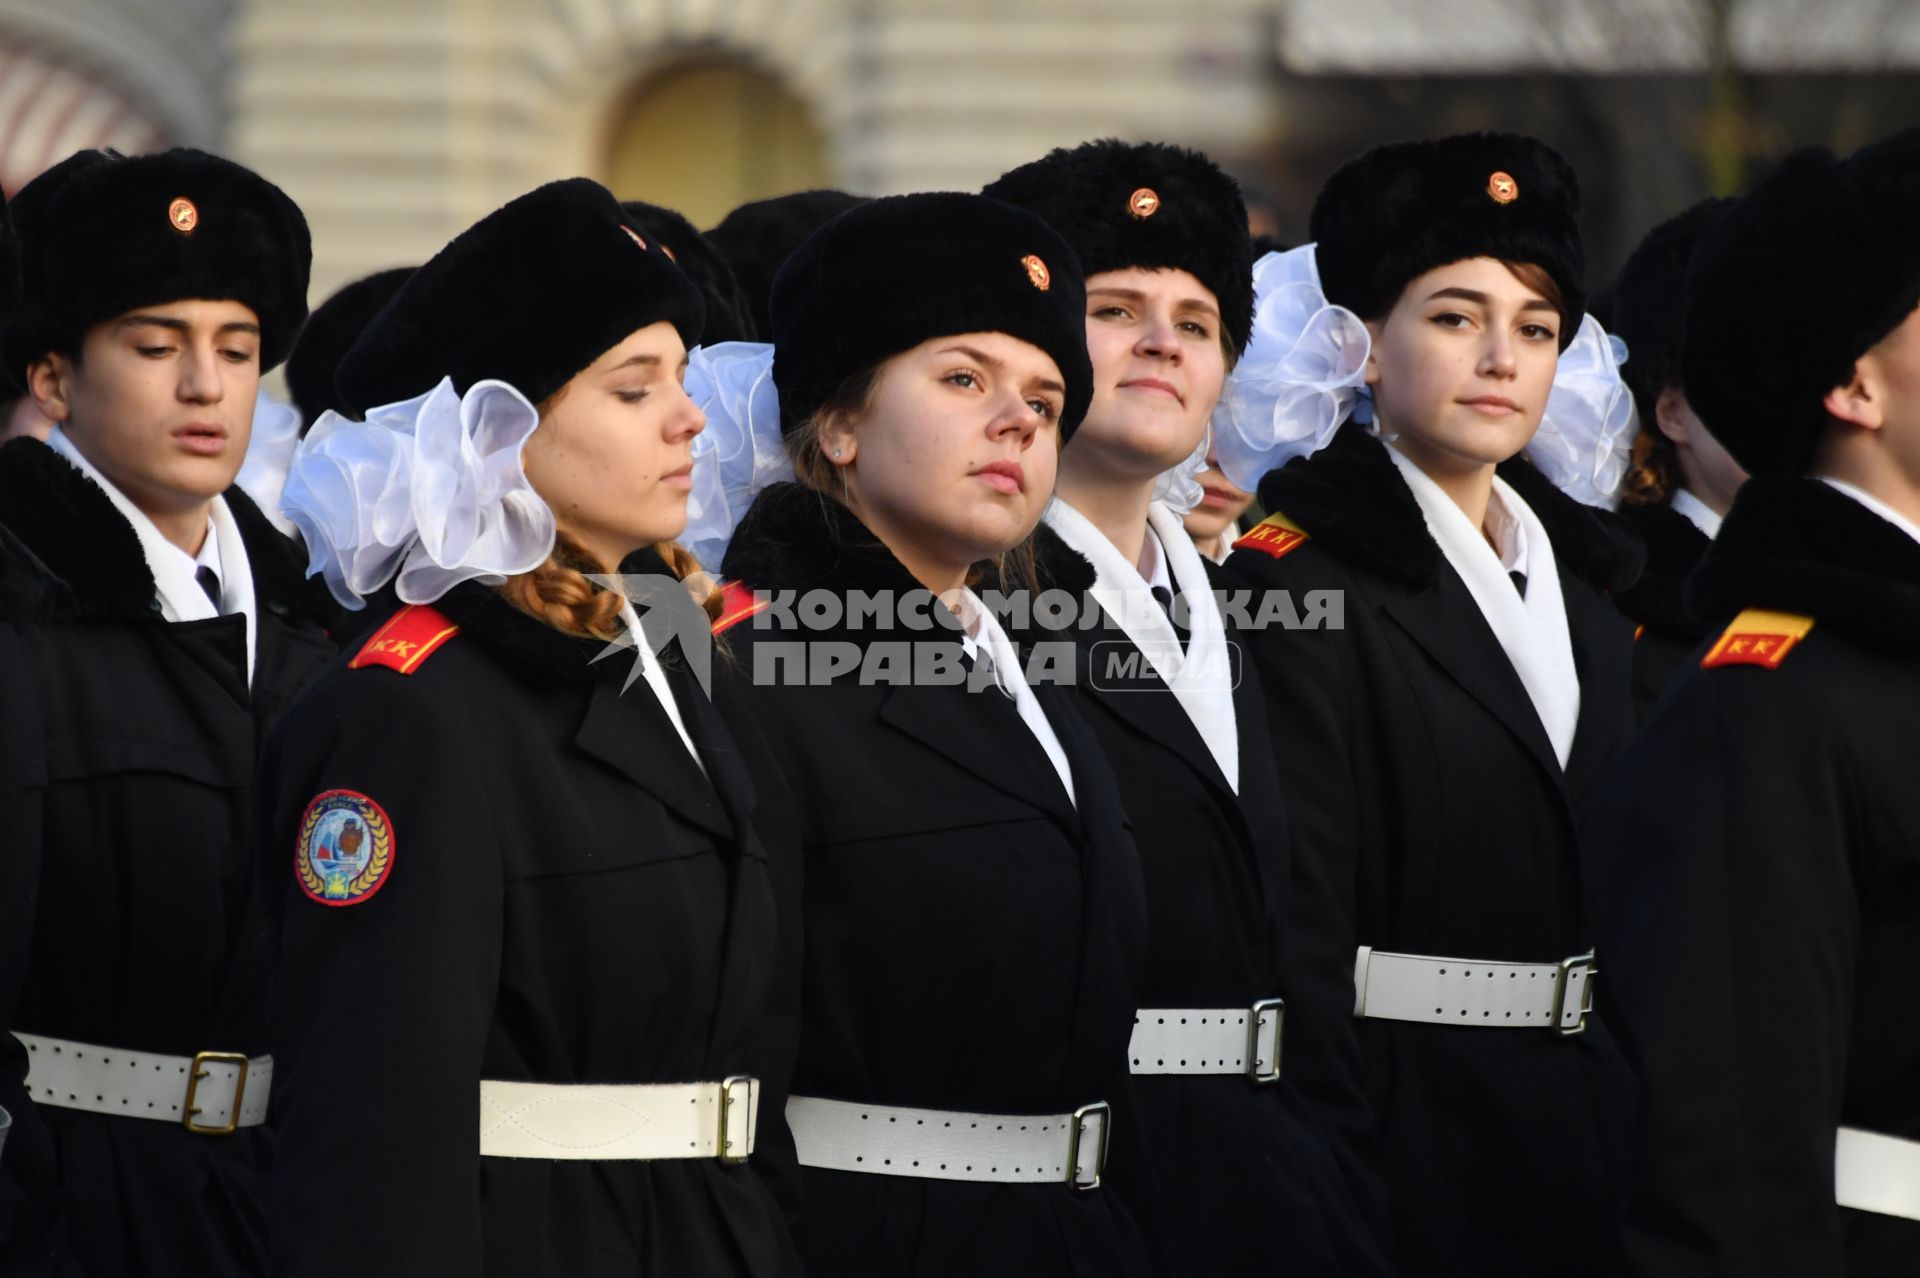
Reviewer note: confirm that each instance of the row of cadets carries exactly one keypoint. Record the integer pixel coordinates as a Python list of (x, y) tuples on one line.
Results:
[(164, 626), (1438, 743), (1242, 1155), (534, 957), (1759, 858), (1682, 480), (974, 922)]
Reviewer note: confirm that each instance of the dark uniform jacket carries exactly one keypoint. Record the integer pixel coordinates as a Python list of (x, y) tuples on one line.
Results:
[(1760, 901), (149, 930), (1424, 786), (973, 939), (569, 901), (1668, 631), (1250, 1176), (29, 1182)]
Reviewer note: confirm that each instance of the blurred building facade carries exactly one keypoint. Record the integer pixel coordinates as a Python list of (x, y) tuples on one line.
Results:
[(396, 122)]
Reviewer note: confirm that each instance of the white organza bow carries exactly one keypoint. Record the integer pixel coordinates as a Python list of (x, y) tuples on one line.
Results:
[(1299, 376), (429, 490), (276, 433), (1179, 486), (1586, 434), (741, 451)]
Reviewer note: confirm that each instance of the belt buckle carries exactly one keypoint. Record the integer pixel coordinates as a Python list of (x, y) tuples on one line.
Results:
[(200, 1061), (1585, 965), (725, 1135), (1077, 1129), (1256, 1021)]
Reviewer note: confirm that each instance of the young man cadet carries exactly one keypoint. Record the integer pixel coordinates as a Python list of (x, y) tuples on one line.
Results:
[(1760, 868), (171, 630)]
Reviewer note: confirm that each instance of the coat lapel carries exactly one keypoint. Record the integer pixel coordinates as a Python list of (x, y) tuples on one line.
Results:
[(651, 756), (1146, 705), (1445, 621), (990, 741)]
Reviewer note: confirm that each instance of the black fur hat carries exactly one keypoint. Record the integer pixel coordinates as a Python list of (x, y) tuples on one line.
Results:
[(1398, 211), (331, 330), (893, 273), (102, 234), (1649, 302), (729, 318), (529, 295), (757, 238), (1146, 205), (1798, 281)]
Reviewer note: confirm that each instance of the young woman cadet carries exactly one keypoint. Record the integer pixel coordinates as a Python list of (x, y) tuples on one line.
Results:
[(1682, 480), (530, 937), (1242, 1157), (973, 914), (1439, 741)]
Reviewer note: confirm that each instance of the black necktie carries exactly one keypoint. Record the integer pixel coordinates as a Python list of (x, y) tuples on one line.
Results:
[(209, 582), (1519, 580), (1164, 597)]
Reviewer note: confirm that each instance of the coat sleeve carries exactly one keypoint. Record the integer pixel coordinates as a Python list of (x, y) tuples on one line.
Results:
[(384, 1001), (1311, 685), (1729, 930)]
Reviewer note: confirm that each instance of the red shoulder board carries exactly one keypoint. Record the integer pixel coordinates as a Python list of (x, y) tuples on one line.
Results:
[(737, 603), (1758, 638), (409, 638), (1275, 535)]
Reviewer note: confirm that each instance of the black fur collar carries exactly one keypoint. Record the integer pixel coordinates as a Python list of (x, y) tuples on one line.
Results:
[(93, 564), (1061, 566), (1798, 545), (793, 538), (1350, 497), (1674, 549), (530, 645)]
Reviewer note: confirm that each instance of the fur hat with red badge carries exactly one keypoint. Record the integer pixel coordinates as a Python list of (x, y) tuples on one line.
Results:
[(102, 234)]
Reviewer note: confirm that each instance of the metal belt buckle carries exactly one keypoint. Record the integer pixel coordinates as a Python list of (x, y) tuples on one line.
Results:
[(1274, 1009), (1076, 1129), (200, 1061), (725, 1143), (1585, 965)]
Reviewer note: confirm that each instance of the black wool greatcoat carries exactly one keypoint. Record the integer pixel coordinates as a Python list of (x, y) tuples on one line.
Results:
[(1759, 894), (1667, 629), (1246, 1175), (1424, 788), (973, 939), (150, 927), (570, 900)]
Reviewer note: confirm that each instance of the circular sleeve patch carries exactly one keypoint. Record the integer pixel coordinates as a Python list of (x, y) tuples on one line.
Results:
[(345, 850)]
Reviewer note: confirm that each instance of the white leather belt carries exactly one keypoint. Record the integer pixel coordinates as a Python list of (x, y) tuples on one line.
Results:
[(1877, 1173), (941, 1144), (627, 1122), (211, 1093), (1205, 1040), (1447, 991)]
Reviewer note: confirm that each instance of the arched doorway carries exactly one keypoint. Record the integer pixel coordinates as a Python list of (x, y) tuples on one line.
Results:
[(703, 137)]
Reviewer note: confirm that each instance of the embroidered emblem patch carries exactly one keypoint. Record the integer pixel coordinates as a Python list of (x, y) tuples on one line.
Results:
[(1037, 272), (346, 848), (1275, 535), (1757, 638), (738, 603)]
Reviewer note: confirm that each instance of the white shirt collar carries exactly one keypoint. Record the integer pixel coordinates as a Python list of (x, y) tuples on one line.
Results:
[(175, 585), (1697, 512), (1509, 534), (1874, 504), (656, 678), (981, 630)]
